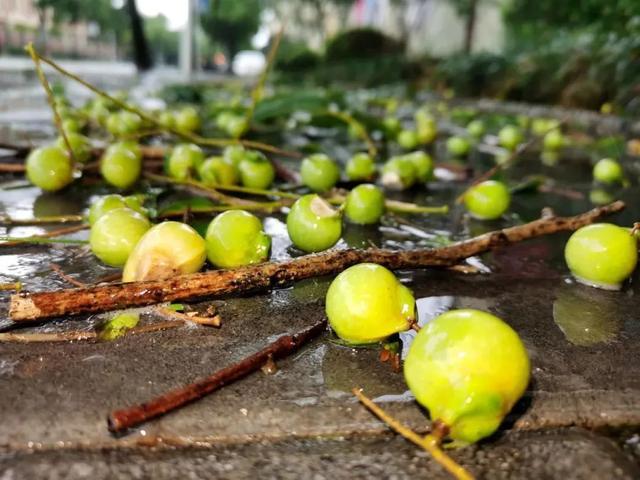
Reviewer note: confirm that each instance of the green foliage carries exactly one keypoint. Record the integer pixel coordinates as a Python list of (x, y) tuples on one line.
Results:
[(232, 23), (108, 18), (361, 43), (163, 41), (295, 57)]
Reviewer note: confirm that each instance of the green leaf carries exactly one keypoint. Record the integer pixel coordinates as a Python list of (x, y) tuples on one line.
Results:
[(178, 205)]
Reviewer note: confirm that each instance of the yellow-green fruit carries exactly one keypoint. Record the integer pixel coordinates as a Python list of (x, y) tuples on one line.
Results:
[(366, 303), (49, 168), (602, 255), (166, 250), (487, 200), (120, 167), (80, 146), (184, 160), (235, 238), (217, 171), (115, 234), (111, 202), (468, 368), (187, 120)]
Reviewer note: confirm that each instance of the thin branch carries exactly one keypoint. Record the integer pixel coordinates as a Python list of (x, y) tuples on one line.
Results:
[(122, 420), (214, 321), (211, 142), (40, 305), (47, 237), (258, 90), (7, 220), (52, 103), (359, 128), (58, 270), (429, 443), (523, 147)]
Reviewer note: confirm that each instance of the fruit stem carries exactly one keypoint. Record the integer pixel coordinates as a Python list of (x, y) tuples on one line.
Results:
[(52, 103), (192, 137), (430, 443), (258, 89), (359, 129)]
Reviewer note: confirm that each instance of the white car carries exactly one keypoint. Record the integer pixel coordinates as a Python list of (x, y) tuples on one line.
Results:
[(248, 63)]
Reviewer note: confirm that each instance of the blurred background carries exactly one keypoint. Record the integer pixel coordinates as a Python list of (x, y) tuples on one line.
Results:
[(574, 53)]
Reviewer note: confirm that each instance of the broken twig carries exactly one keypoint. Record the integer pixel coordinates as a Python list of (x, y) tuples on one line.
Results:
[(121, 420)]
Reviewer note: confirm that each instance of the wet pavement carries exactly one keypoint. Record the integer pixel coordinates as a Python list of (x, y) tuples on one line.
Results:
[(579, 419)]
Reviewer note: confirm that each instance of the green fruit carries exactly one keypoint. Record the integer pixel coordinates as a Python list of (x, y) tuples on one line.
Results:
[(553, 140), (423, 164), (602, 255), (111, 202), (166, 250), (234, 154), (49, 168), (364, 204), (184, 160), (399, 173), (476, 128), (608, 171), (216, 171), (313, 225), (585, 320), (256, 171), (458, 146), (360, 167), (123, 123), (80, 145), (366, 303), (114, 235), (129, 146), (71, 125), (599, 196), (510, 137), (118, 326), (187, 120), (540, 126), (235, 238), (236, 126), (167, 119), (468, 368), (120, 167), (408, 139), (319, 172), (391, 125), (426, 133), (487, 200)]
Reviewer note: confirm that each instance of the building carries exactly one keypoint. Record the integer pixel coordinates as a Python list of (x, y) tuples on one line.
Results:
[(22, 22)]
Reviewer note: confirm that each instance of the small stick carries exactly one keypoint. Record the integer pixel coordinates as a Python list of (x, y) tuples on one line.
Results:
[(33, 306), (56, 268), (12, 168), (214, 321), (121, 420), (47, 237), (17, 286), (359, 128), (429, 443), (76, 336), (7, 220)]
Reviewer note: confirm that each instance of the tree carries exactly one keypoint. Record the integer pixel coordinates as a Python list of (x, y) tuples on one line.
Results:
[(141, 55), (232, 23), (467, 10), (165, 42)]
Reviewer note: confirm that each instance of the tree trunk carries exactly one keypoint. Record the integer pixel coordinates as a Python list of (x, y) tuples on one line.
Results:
[(470, 26), (141, 54)]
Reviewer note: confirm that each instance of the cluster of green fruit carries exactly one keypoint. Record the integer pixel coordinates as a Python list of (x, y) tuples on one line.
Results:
[(467, 367), (122, 236), (236, 165)]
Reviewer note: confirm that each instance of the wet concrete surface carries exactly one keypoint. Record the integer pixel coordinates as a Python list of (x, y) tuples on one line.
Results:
[(303, 422)]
